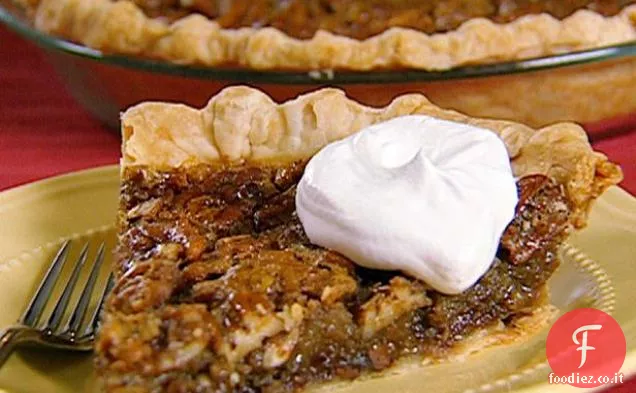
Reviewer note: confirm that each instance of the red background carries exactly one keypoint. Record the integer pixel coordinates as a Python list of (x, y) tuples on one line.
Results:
[(43, 132)]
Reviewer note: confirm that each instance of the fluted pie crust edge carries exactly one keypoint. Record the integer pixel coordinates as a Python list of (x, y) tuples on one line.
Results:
[(121, 27), (243, 124)]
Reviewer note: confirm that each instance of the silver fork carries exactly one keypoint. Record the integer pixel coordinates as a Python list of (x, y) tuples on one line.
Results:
[(52, 333)]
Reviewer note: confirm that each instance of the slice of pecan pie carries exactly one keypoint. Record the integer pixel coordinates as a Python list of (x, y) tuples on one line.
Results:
[(219, 288)]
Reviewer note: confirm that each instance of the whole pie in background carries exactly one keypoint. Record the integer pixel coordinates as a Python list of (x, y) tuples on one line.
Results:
[(220, 289), (362, 47), (337, 34)]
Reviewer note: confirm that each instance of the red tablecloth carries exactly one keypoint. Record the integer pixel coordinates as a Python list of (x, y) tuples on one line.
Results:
[(43, 132)]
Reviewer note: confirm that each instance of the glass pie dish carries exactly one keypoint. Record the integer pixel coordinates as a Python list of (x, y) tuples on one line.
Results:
[(589, 87)]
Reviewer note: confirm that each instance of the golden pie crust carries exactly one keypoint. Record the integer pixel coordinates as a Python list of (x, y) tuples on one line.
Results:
[(243, 124), (121, 27)]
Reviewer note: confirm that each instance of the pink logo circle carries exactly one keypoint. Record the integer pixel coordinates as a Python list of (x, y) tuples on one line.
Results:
[(586, 348)]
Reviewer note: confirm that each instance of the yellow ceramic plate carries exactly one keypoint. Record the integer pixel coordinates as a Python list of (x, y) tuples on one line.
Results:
[(36, 218)]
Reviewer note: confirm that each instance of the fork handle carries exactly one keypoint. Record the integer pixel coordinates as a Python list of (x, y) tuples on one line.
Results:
[(9, 339)]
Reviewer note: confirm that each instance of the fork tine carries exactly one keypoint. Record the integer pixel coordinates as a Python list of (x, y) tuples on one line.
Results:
[(82, 304), (38, 302), (92, 325), (62, 303)]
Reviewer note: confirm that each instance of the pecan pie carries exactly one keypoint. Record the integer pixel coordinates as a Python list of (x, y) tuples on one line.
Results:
[(338, 34), (220, 290)]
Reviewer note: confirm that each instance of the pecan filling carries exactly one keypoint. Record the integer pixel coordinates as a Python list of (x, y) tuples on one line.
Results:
[(219, 288), (363, 19)]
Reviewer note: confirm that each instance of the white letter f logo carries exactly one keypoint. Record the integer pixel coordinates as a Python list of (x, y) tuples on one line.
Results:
[(584, 347)]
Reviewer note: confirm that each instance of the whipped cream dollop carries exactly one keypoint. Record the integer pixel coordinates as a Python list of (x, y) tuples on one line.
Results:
[(425, 196)]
